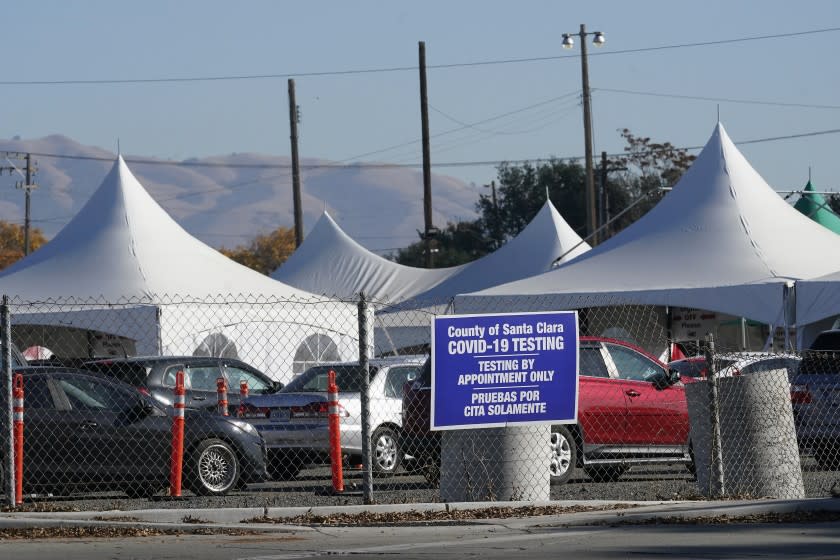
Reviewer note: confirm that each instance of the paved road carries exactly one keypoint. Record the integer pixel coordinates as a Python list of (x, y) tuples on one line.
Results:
[(488, 541)]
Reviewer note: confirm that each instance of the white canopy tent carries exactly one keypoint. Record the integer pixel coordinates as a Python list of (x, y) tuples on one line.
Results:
[(123, 268), (817, 304), (546, 241), (331, 263), (721, 240)]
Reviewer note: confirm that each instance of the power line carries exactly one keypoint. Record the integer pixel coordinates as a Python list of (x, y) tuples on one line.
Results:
[(402, 165), (286, 75), (719, 99)]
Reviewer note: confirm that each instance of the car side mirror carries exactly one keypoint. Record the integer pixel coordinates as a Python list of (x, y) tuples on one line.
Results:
[(669, 377)]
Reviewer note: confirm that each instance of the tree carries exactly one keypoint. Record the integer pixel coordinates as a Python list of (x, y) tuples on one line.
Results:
[(523, 190), (645, 171), (636, 180), (456, 244), (266, 252), (12, 242)]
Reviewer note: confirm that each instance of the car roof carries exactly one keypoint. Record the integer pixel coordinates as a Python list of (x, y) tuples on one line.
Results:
[(150, 359), (33, 370), (382, 361)]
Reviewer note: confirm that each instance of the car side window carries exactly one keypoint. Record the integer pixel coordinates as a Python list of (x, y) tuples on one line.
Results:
[(632, 365), (171, 375), (397, 378), (36, 393), (203, 378), (86, 393), (769, 365), (592, 362), (235, 376)]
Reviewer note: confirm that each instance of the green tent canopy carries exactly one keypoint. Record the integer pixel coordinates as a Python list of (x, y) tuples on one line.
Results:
[(814, 206)]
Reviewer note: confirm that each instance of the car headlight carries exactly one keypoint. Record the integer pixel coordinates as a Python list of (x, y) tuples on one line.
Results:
[(244, 426)]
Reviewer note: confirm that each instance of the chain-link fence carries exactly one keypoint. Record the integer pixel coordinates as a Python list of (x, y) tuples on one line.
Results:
[(672, 404)]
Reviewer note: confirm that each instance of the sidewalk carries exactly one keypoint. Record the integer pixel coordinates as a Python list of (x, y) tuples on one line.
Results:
[(188, 520)]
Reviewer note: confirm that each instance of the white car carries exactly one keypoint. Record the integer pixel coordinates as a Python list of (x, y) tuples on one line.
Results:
[(294, 422), (730, 364), (746, 363)]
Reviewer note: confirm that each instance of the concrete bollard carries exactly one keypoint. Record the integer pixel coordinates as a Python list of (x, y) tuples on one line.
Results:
[(758, 437), (495, 464)]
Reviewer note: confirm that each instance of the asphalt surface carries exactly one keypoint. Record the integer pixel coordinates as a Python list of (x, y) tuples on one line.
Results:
[(312, 488)]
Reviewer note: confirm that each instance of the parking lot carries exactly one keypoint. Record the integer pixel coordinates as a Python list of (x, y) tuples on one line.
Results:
[(313, 488)]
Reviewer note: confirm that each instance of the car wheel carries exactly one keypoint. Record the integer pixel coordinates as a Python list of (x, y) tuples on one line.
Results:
[(691, 465), (827, 455), (563, 455), (214, 468), (385, 451), (605, 473)]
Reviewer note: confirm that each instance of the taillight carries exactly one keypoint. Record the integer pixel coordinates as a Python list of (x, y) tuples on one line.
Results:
[(315, 410), (800, 394), (247, 410)]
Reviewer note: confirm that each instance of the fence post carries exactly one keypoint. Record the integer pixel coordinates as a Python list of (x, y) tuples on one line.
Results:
[(18, 437), (716, 484), (177, 458), (221, 393), (364, 366), (335, 433), (8, 422)]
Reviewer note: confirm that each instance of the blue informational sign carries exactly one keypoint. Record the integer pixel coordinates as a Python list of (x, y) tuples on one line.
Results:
[(496, 370)]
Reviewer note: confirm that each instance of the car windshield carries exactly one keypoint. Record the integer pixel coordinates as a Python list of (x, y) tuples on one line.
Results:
[(348, 378)]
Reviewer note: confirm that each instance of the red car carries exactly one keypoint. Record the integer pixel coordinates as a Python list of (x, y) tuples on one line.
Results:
[(631, 409)]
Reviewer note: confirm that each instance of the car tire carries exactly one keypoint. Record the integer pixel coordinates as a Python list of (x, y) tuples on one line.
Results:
[(563, 455), (214, 468), (385, 451), (691, 465), (605, 473), (827, 455)]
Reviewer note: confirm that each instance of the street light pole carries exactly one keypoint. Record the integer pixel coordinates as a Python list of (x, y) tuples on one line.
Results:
[(568, 42)]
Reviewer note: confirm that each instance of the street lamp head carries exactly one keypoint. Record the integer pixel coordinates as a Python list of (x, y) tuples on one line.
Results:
[(568, 42), (599, 39)]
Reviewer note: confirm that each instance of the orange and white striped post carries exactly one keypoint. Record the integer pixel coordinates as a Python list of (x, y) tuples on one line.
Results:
[(243, 390), (177, 462), (221, 393), (334, 410), (17, 416)]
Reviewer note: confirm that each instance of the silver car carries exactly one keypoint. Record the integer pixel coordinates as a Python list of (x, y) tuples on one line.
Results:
[(294, 422)]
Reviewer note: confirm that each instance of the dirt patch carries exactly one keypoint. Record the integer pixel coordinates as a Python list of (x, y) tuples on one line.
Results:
[(448, 516)]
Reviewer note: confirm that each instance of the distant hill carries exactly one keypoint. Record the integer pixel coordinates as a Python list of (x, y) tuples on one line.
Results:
[(381, 207)]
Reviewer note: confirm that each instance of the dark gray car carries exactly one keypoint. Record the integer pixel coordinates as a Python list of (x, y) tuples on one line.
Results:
[(155, 375)]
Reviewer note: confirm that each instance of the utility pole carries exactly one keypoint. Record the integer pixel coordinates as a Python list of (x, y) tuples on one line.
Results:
[(568, 43), (294, 117), (603, 211), (27, 187), (428, 232), (587, 134)]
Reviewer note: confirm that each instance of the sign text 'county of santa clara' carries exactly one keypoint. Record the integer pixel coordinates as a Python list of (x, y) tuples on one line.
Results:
[(496, 370)]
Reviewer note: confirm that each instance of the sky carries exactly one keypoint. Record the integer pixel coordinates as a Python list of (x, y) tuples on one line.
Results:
[(196, 78)]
